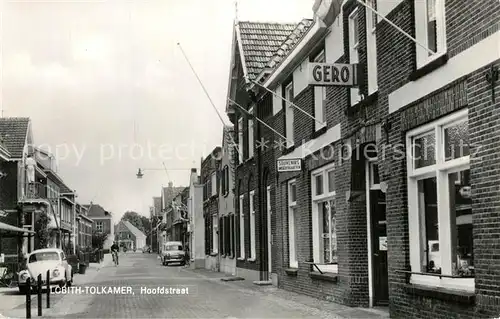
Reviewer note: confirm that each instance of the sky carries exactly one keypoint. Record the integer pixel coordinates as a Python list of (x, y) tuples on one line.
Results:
[(109, 91)]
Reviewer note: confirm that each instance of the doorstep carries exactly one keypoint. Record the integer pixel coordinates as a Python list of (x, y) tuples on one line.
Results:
[(232, 278), (263, 283)]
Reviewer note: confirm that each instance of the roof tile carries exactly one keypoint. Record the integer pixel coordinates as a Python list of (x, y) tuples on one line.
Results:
[(13, 131), (259, 41)]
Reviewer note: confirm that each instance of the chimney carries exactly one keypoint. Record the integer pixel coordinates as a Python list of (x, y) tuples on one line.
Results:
[(194, 176)]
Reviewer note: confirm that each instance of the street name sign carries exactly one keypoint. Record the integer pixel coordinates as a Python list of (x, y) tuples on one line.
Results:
[(336, 74), (289, 165)]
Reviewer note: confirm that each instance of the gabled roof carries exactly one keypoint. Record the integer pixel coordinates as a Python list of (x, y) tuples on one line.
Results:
[(134, 230), (290, 42), (169, 193), (95, 210), (13, 132), (258, 41)]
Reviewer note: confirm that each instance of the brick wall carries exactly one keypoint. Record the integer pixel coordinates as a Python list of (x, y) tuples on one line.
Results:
[(8, 202), (209, 166), (467, 24)]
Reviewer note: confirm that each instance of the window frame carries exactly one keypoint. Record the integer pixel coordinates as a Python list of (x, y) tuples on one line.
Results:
[(353, 25), (242, 228), (289, 115), (292, 208), (240, 140), (213, 182), (99, 226), (371, 46), (315, 200), (320, 96), (215, 227), (251, 140), (440, 170), (251, 205), (421, 31)]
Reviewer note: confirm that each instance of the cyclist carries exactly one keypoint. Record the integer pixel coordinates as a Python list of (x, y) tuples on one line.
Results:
[(187, 257), (114, 251)]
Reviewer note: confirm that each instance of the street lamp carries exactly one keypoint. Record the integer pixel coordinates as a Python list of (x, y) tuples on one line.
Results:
[(140, 171), (139, 174)]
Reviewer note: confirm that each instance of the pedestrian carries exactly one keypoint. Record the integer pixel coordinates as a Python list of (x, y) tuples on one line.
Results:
[(187, 257)]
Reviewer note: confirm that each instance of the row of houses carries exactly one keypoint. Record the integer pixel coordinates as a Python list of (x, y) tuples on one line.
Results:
[(361, 166), (37, 207)]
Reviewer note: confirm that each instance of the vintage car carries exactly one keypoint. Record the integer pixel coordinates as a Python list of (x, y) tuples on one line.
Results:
[(172, 252), (39, 261)]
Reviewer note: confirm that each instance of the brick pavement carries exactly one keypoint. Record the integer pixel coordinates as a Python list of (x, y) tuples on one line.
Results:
[(208, 297)]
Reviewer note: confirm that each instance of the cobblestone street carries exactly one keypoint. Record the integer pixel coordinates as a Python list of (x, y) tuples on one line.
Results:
[(208, 296)]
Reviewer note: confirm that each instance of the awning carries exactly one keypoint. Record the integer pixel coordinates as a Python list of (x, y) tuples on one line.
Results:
[(9, 228)]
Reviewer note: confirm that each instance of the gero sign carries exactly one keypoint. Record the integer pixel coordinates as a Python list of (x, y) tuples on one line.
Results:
[(322, 74)]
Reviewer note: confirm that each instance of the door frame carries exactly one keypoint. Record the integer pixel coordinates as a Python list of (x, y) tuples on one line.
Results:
[(369, 187)]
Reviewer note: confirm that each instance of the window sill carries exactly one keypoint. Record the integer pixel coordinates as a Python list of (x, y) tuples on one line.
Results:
[(445, 294), (241, 258), (214, 254), (332, 277), (319, 132), (230, 257), (351, 110), (252, 260), (429, 67), (292, 272)]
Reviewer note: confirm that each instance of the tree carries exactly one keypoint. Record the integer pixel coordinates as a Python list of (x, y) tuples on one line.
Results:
[(135, 219), (146, 223), (98, 239)]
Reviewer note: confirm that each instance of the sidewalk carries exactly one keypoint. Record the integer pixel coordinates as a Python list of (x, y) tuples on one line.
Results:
[(14, 305), (284, 296)]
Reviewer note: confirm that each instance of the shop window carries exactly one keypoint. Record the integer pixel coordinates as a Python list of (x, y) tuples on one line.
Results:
[(292, 217), (430, 30), (324, 219), (253, 253), (242, 229), (440, 204)]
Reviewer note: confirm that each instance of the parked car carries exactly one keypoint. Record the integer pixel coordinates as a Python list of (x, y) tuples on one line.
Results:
[(172, 252), (41, 260), (146, 249)]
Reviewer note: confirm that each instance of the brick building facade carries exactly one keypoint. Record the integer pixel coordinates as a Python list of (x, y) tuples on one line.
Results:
[(395, 201), (209, 178), (227, 230)]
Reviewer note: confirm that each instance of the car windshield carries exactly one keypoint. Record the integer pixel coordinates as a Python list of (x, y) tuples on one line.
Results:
[(173, 247), (44, 256)]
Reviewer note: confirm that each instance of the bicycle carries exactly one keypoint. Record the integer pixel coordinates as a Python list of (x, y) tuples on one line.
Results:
[(115, 258)]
